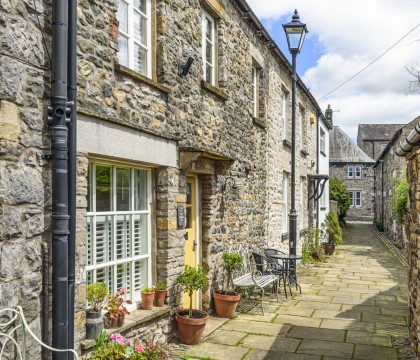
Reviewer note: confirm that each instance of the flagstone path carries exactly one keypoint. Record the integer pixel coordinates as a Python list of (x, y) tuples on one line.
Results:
[(353, 307)]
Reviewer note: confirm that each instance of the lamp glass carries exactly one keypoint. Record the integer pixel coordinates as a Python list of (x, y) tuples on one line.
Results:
[(295, 37)]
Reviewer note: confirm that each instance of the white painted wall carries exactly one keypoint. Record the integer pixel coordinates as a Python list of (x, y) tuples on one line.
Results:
[(324, 169)]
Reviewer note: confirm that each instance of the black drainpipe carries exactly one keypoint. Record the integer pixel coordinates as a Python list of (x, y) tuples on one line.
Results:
[(373, 149), (59, 178), (72, 93)]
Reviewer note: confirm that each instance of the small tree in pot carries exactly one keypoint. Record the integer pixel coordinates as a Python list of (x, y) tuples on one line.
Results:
[(96, 295), (335, 234), (191, 322), (225, 301)]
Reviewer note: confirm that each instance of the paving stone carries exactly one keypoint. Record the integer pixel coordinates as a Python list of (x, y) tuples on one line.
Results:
[(295, 311), (298, 320), (331, 314), (348, 300), (226, 337), (361, 308), (344, 324), (300, 332), (389, 329), (318, 305), (390, 311), (256, 327), (257, 354), (367, 338), (217, 351), (267, 317), (317, 298), (385, 319), (369, 352), (271, 343), (330, 348)]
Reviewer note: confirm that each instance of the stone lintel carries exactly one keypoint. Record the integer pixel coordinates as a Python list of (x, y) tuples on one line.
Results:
[(215, 8)]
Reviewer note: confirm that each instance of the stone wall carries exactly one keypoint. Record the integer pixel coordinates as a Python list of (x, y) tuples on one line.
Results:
[(216, 123), (413, 234), (364, 184)]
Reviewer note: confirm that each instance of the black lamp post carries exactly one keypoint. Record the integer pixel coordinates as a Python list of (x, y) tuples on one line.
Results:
[(295, 34)]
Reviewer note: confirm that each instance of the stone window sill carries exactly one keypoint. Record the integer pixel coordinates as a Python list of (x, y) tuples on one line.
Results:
[(287, 143), (259, 122), (135, 75), (136, 317), (214, 90)]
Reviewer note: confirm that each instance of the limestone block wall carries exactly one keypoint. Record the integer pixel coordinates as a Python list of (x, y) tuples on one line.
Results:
[(364, 184)]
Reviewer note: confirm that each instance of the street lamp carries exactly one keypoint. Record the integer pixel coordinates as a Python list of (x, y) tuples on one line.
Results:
[(295, 34)]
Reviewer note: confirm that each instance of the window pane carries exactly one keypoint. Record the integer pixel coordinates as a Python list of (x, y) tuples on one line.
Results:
[(140, 60), (141, 5), (209, 53), (123, 189), (140, 190), (89, 189), (188, 191), (209, 74), (122, 50), (140, 29), (209, 29), (140, 235), (123, 278), (89, 231), (140, 277), (122, 16), (103, 188), (105, 275), (103, 239), (123, 237)]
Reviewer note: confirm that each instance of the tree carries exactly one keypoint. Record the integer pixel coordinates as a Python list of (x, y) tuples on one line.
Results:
[(414, 83), (339, 193), (399, 201)]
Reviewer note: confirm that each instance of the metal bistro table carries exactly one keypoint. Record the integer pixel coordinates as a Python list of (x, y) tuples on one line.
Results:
[(288, 261)]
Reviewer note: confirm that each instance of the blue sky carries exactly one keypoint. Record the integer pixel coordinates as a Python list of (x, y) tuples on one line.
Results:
[(344, 37)]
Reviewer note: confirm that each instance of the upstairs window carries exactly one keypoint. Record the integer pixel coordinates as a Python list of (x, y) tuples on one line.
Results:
[(208, 47), (285, 122), (134, 36), (350, 172), (255, 91), (322, 142), (358, 172)]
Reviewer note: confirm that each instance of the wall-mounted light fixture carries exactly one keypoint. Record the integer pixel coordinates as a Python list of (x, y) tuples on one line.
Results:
[(312, 118), (185, 68), (230, 180)]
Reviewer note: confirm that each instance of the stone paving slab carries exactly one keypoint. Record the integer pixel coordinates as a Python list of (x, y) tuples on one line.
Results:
[(256, 327), (367, 352), (328, 348), (300, 332), (271, 343), (225, 337), (298, 321), (257, 354), (217, 351), (367, 338)]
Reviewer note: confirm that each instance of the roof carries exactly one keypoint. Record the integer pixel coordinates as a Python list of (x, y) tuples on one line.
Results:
[(343, 150), (382, 132)]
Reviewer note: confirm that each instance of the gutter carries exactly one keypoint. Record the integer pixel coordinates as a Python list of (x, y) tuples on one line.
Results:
[(249, 14), (411, 140)]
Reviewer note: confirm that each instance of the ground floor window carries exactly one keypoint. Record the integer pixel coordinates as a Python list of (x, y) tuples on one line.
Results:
[(118, 227), (355, 198)]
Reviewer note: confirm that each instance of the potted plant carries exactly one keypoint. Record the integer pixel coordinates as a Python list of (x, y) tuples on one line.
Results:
[(380, 226), (225, 301), (116, 310), (160, 294), (191, 322), (96, 295), (312, 246), (147, 296), (335, 234)]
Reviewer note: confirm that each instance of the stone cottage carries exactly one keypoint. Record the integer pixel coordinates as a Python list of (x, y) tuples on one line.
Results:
[(409, 147), (387, 169), (155, 139), (373, 138), (351, 164)]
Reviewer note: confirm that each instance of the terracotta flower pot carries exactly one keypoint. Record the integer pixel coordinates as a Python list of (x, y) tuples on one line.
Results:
[(159, 299), (225, 304), (147, 300), (116, 322), (329, 248), (190, 330)]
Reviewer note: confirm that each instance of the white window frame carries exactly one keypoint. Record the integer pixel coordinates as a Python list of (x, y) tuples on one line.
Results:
[(130, 36), (350, 171), (205, 15), (285, 200), (114, 262), (302, 202), (351, 194), (322, 141), (284, 95), (358, 169), (302, 126), (254, 91)]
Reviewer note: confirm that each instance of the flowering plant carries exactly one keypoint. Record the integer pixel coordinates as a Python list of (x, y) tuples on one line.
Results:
[(115, 305), (119, 348)]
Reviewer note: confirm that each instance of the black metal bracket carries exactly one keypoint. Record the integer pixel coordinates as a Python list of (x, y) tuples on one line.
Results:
[(319, 180), (46, 156)]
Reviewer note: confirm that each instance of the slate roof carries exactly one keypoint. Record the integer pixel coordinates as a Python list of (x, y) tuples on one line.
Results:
[(342, 149), (381, 132)]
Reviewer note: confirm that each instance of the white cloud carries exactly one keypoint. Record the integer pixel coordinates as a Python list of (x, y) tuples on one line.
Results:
[(350, 35)]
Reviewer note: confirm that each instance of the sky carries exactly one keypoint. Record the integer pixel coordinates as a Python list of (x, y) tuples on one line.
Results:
[(343, 38)]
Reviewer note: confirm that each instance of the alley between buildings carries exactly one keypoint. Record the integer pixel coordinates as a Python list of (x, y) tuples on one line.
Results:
[(352, 307)]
